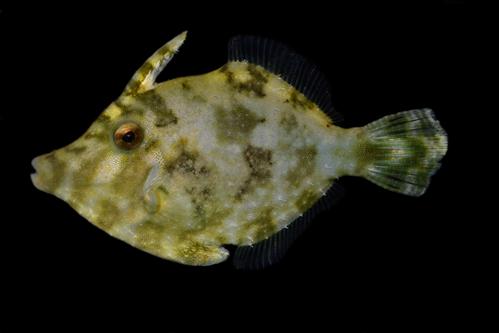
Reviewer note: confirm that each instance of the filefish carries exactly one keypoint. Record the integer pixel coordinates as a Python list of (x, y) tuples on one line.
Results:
[(244, 155)]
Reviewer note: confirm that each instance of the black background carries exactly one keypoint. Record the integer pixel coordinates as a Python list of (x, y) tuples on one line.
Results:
[(376, 260)]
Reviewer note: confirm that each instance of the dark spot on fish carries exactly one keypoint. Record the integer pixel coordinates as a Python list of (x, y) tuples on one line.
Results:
[(131, 177), (253, 85), (288, 122), (187, 162), (257, 74), (56, 174), (155, 102), (151, 145), (236, 124), (260, 163), (304, 167), (165, 120), (206, 192), (151, 99), (299, 101), (85, 175), (307, 199), (199, 99), (186, 86), (108, 214), (203, 170)]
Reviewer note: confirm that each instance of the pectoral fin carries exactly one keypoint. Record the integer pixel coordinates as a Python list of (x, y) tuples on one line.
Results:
[(145, 77)]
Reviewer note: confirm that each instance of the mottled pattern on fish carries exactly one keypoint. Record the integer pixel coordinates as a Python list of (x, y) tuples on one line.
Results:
[(228, 157)]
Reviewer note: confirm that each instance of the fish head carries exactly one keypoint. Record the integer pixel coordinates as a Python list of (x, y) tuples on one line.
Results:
[(103, 174)]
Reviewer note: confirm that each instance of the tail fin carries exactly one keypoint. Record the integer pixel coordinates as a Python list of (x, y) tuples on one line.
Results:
[(402, 151)]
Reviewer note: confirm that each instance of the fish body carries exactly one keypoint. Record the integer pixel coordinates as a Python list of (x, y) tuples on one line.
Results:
[(234, 156)]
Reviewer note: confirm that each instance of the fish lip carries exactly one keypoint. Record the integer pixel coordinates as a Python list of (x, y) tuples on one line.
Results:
[(33, 163), (34, 175), (34, 180)]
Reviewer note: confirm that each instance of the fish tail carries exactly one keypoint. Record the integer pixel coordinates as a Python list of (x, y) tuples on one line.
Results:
[(401, 152)]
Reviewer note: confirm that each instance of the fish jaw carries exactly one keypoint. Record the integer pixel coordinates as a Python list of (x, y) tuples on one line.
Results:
[(48, 176)]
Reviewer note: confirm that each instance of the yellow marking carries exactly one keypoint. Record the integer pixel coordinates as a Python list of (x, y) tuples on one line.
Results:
[(113, 111)]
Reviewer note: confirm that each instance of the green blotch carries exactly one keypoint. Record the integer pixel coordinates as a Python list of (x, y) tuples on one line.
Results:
[(103, 118), (288, 122), (235, 125), (153, 144), (307, 199), (155, 102), (108, 214), (199, 202), (253, 86), (132, 87), (199, 99), (228, 73), (85, 176), (149, 236), (186, 86), (299, 101), (260, 163), (129, 181), (263, 225), (305, 166), (134, 110), (53, 179), (184, 163)]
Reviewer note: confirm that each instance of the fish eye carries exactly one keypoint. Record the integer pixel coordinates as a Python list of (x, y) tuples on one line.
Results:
[(128, 136)]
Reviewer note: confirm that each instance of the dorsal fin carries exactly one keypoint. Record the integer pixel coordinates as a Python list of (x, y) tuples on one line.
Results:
[(145, 77), (273, 249), (290, 66)]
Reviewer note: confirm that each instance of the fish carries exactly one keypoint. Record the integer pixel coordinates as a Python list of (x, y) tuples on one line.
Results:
[(242, 156)]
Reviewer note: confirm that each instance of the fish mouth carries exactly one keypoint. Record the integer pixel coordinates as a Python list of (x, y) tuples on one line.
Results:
[(35, 177)]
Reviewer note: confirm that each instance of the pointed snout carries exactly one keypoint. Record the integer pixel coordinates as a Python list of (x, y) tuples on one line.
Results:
[(49, 172)]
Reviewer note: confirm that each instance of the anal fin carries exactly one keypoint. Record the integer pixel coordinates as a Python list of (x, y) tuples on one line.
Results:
[(270, 251)]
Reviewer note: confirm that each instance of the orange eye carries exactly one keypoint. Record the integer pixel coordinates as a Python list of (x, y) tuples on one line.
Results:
[(128, 136)]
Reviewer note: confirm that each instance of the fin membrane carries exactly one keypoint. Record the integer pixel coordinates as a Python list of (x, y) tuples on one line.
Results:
[(402, 151), (273, 249), (290, 66)]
